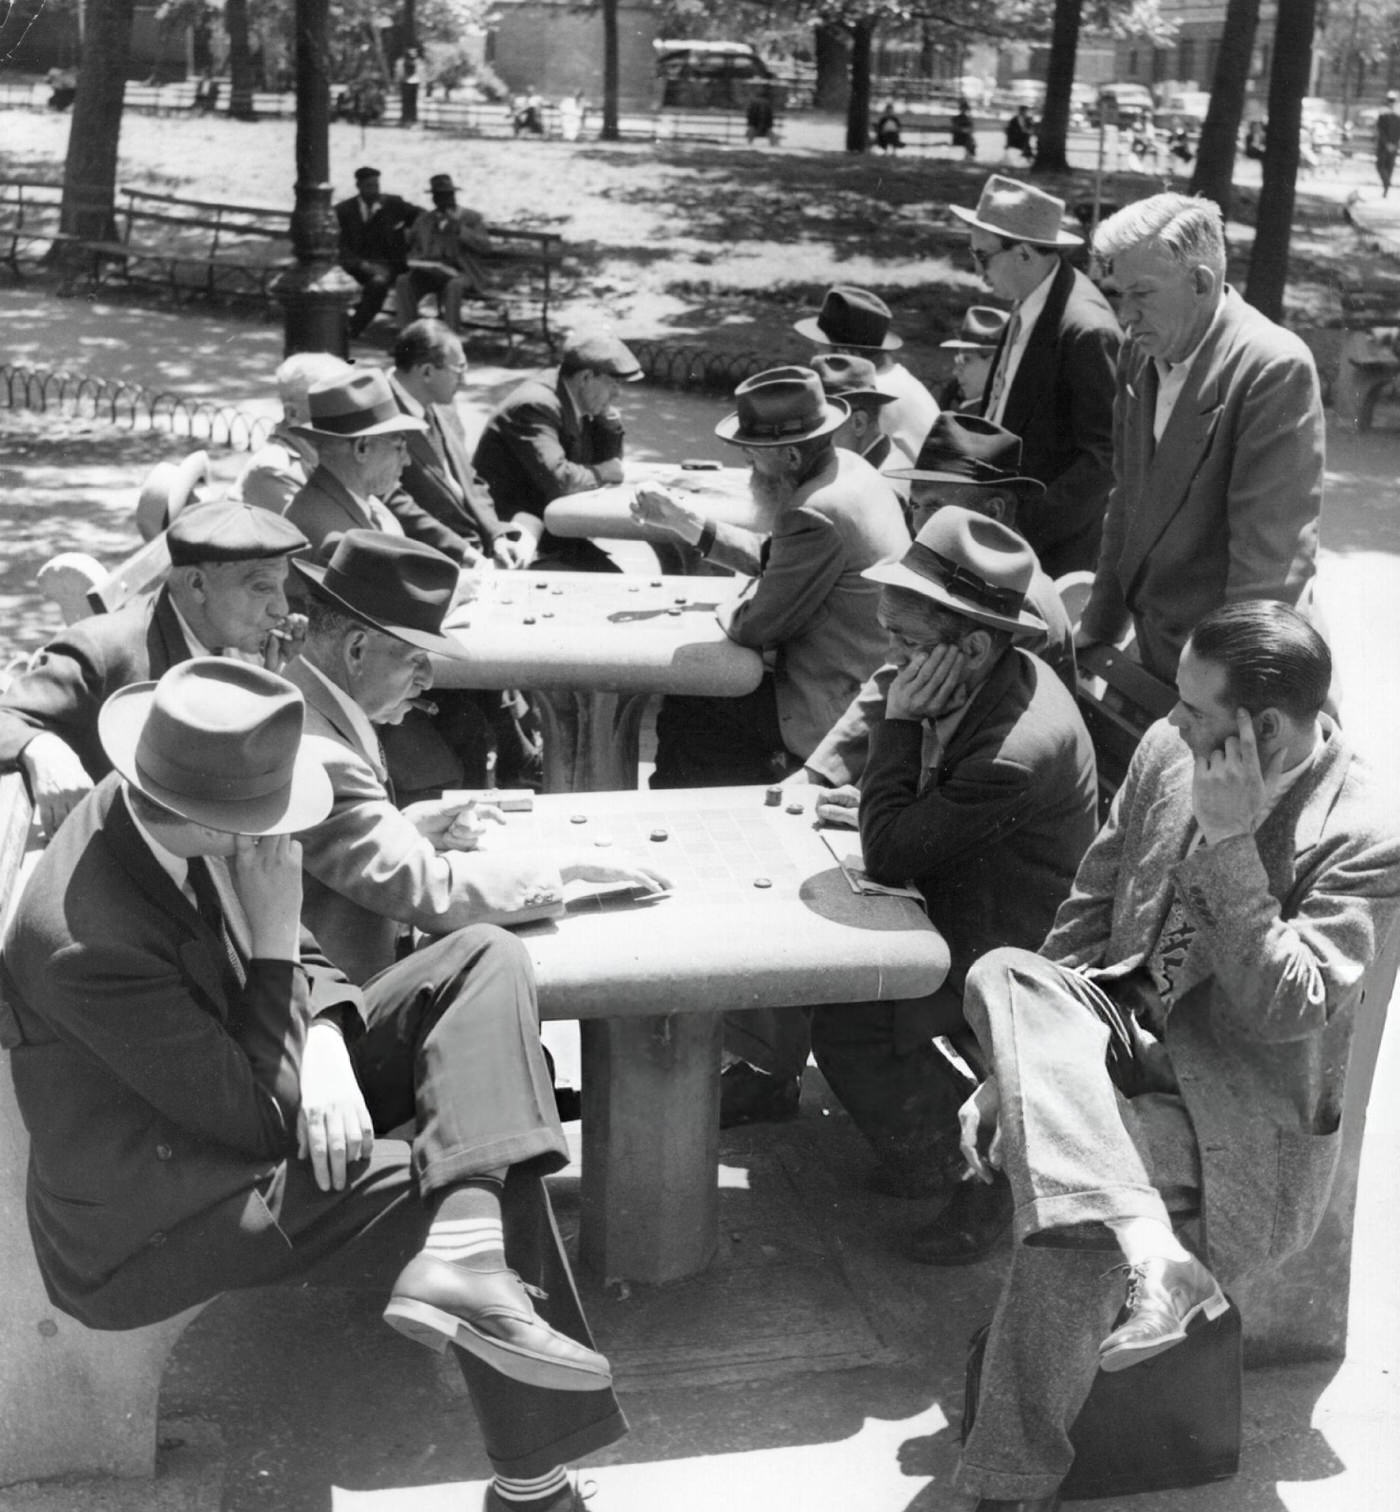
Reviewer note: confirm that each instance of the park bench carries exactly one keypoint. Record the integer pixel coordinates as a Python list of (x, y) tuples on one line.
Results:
[(29, 215), (1369, 365)]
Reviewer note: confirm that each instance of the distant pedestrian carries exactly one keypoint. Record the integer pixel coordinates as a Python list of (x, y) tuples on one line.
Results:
[(758, 116), (963, 128), (408, 89), (888, 131), (1020, 134), (1387, 141)]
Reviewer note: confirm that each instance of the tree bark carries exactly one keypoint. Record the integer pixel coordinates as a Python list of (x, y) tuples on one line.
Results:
[(1215, 156), (611, 72), (240, 60), (1288, 83), (858, 110), (833, 87), (90, 170), (1054, 117)]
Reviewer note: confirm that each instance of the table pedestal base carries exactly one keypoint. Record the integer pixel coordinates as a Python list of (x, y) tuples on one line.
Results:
[(650, 1185), (590, 739)]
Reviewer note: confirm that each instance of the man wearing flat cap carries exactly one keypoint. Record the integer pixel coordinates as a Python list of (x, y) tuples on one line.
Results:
[(857, 322), (809, 610), (205, 1093), (373, 243), (1052, 379), (374, 871), (225, 594), (447, 251), (549, 438)]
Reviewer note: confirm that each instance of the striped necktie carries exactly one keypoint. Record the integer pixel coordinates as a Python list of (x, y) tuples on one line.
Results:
[(997, 403), (211, 910)]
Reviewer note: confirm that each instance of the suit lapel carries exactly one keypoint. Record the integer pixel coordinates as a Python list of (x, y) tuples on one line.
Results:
[(985, 702), (320, 701), (166, 645), (1038, 359)]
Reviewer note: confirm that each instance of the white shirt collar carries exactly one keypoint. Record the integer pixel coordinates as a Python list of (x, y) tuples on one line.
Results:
[(355, 717), (177, 868), (1030, 307)]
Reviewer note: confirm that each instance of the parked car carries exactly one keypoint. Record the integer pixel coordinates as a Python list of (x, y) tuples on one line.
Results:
[(711, 75), (1120, 102), (1185, 107)]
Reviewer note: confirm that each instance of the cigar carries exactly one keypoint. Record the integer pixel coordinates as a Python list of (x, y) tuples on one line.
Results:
[(427, 706)]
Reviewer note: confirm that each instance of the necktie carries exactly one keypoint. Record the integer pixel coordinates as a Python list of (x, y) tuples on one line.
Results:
[(211, 910), (998, 400)]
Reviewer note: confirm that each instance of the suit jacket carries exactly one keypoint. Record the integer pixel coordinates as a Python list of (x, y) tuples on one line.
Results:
[(324, 506), (993, 834), (382, 238), (369, 872), (809, 606), (73, 676), (845, 748), (1226, 506), (152, 1096), (1287, 923), (1061, 406), (440, 479)]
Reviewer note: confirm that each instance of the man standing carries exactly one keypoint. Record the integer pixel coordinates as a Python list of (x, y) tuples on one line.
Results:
[(810, 608), (373, 247), (1387, 141), (204, 1094), (1181, 1046), (858, 322), (225, 594), (447, 246), (1052, 379), (547, 439), (1218, 439)]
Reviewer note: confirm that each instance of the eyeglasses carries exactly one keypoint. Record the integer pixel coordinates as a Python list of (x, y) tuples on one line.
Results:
[(983, 258)]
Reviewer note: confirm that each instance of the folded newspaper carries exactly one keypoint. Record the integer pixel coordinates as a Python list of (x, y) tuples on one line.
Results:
[(844, 845)]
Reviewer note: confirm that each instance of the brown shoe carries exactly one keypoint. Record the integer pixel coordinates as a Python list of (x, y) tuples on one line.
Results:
[(489, 1313), (1163, 1297)]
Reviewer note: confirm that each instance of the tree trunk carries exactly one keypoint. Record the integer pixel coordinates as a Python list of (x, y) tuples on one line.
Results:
[(240, 60), (1215, 156), (1288, 83), (833, 87), (1054, 116), (611, 72), (90, 171), (858, 109)]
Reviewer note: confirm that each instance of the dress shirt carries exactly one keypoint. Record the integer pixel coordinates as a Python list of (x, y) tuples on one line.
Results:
[(1025, 314), (1171, 378)]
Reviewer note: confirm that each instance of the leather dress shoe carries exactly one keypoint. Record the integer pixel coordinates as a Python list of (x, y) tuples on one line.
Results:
[(1023, 1504), (748, 1095), (1163, 1297), (489, 1314), (977, 1215)]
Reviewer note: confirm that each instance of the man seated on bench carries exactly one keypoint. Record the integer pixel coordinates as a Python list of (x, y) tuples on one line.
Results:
[(375, 871), (224, 594), (205, 1094), (447, 246), (1181, 1039), (279, 468)]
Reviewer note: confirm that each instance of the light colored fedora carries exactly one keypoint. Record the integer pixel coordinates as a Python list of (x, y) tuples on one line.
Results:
[(1019, 212), (781, 406), (166, 491), (850, 378), (980, 330), (357, 403), (975, 566), (219, 743)]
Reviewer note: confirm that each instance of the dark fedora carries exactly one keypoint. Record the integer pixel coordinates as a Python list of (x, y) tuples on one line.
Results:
[(219, 743), (967, 449), (441, 183), (980, 330), (978, 567), (401, 587), (851, 317), (1020, 213), (356, 403), (850, 378), (781, 406)]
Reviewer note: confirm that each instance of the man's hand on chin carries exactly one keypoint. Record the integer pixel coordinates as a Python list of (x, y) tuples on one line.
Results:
[(1229, 787)]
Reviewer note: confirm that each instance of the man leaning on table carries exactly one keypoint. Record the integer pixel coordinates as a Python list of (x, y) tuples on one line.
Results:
[(809, 610)]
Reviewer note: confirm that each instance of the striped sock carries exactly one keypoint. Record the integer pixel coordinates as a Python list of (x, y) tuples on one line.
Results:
[(538, 1492), (466, 1228)]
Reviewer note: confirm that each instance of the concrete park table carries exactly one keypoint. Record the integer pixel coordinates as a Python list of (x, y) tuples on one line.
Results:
[(593, 647), (760, 916), (605, 514)]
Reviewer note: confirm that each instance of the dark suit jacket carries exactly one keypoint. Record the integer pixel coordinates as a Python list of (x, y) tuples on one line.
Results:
[(443, 481), (1061, 405), (993, 835), (325, 506), (1226, 506), (152, 1097), (381, 238), (74, 675)]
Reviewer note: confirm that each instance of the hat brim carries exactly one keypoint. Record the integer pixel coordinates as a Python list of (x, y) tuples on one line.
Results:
[(925, 475), (301, 802), (167, 490), (424, 640), (1062, 238), (836, 413), (811, 328), (897, 575), (380, 428), (870, 396), (958, 345)]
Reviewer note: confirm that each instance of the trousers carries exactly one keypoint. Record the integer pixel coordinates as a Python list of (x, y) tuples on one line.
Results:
[(1092, 1131)]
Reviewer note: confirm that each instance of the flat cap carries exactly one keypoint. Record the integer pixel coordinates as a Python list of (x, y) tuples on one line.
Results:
[(230, 531), (364, 173), (601, 351)]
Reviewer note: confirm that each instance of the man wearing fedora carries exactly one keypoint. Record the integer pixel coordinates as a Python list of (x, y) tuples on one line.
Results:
[(224, 595), (1179, 1043), (973, 349), (1052, 380), (548, 438), (373, 243), (1219, 440), (205, 1094), (856, 383), (278, 470), (857, 322), (375, 872), (809, 610), (447, 251)]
